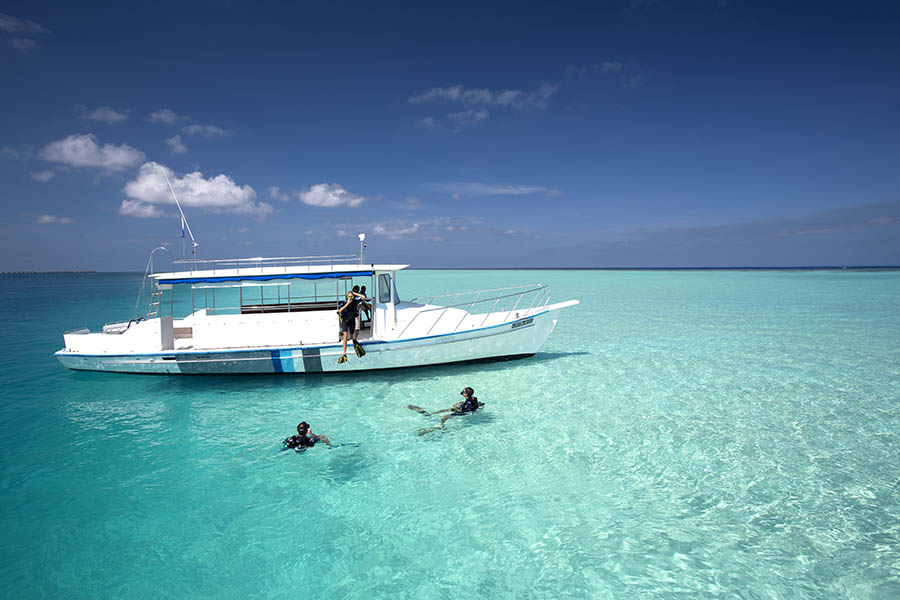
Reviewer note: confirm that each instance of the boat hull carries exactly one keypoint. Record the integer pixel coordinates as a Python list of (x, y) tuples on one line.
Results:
[(521, 337)]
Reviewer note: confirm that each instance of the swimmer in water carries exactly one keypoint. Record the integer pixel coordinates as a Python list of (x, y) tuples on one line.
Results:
[(304, 439), (469, 404)]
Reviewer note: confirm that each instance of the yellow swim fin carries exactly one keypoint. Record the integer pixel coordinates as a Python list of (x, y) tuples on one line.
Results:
[(342, 359)]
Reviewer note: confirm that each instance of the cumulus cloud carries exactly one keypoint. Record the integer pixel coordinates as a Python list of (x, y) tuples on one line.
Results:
[(141, 210), (517, 99), (330, 195), (148, 190), (43, 176), (164, 115), (106, 114), (53, 220), (176, 146), (471, 188), (207, 131), (276, 194), (82, 150)]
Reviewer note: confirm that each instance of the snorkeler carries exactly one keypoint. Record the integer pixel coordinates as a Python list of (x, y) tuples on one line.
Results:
[(304, 439), (469, 404)]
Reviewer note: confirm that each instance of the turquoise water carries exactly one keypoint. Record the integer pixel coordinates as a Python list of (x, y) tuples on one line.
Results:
[(692, 434)]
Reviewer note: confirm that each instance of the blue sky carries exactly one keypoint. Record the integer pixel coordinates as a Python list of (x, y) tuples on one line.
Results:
[(527, 134)]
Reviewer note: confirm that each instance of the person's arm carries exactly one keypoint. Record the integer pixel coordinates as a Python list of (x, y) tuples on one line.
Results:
[(341, 309)]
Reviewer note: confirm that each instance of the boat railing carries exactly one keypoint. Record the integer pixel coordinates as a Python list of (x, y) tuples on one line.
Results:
[(539, 294), (285, 262)]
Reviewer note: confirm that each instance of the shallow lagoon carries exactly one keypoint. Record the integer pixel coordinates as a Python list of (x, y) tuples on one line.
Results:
[(688, 433)]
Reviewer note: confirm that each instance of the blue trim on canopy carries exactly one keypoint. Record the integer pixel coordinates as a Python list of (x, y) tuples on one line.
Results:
[(337, 275)]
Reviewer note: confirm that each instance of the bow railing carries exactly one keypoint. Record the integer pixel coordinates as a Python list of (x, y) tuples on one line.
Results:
[(540, 296)]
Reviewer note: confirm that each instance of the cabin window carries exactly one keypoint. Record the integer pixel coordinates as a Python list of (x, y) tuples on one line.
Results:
[(384, 288)]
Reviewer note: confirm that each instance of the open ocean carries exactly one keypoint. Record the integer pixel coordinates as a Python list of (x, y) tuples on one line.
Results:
[(682, 434)]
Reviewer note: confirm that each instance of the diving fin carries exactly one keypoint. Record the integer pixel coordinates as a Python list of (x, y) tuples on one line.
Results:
[(418, 409), (342, 359), (360, 351)]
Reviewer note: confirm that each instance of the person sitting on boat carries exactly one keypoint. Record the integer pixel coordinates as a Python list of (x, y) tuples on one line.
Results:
[(304, 439), (348, 313), (365, 305), (469, 404)]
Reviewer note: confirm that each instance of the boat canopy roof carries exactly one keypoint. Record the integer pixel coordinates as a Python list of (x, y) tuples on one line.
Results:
[(268, 272)]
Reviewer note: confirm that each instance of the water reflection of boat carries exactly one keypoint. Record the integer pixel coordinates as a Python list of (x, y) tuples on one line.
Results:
[(278, 315)]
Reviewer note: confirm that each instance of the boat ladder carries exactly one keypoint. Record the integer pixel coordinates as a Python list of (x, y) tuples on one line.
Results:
[(153, 306)]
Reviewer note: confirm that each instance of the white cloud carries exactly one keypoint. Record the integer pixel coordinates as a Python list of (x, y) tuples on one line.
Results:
[(395, 230), (554, 193), (465, 188), (43, 176), (329, 195), (82, 150), (11, 24), (469, 117), (517, 99), (107, 114), (53, 220), (276, 194), (207, 131), (219, 193), (341, 233), (19, 27), (23, 44), (164, 115), (176, 146), (141, 210)]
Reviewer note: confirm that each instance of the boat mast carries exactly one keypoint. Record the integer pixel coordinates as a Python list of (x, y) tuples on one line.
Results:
[(184, 221), (362, 247)]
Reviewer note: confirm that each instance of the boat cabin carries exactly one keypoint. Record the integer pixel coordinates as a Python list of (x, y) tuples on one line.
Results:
[(268, 302)]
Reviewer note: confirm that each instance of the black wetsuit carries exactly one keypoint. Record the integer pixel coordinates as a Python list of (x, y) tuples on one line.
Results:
[(349, 314), (299, 442)]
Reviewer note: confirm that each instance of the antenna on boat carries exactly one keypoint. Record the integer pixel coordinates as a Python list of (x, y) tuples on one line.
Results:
[(184, 221), (362, 246)]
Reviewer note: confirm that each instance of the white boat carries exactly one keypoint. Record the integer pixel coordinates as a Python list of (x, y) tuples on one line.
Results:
[(278, 315)]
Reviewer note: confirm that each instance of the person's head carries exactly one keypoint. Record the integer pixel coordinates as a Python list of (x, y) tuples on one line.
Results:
[(356, 288), (303, 428), (362, 290), (467, 392)]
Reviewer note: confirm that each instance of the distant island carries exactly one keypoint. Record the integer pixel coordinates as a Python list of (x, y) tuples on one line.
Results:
[(43, 272)]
